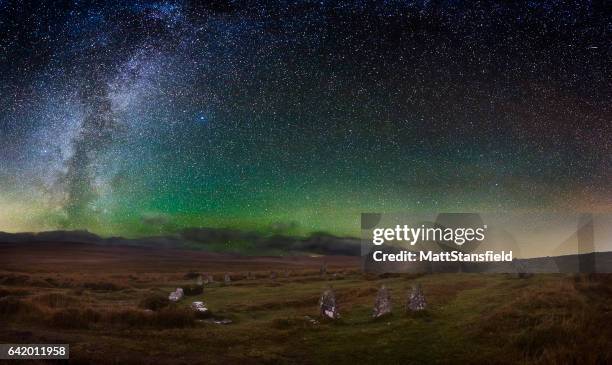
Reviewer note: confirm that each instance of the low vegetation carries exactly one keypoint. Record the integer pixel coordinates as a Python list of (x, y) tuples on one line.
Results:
[(154, 302), (471, 318)]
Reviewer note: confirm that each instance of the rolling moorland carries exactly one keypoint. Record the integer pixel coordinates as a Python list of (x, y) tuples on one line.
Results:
[(110, 304)]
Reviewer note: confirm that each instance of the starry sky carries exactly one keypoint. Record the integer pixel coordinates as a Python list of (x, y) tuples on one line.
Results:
[(140, 118)]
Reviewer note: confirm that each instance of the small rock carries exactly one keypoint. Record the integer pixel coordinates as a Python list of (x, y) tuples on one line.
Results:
[(311, 320), (199, 307)]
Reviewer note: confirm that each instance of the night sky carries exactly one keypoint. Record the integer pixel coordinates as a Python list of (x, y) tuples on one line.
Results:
[(139, 118)]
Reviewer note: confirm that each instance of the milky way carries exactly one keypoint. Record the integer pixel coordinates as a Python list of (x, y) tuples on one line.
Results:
[(136, 118)]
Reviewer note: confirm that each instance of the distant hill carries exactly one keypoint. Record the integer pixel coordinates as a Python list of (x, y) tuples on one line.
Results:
[(256, 244), (208, 239)]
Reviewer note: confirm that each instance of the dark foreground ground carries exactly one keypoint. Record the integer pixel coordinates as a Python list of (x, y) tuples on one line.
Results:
[(95, 298)]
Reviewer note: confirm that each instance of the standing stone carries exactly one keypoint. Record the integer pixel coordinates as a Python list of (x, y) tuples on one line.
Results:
[(323, 269), (521, 271), (249, 276), (199, 281), (227, 279), (382, 305), (210, 279), (176, 295), (416, 299), (328, 305)]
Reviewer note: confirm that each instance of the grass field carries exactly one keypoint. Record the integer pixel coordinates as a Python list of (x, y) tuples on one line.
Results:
[(93, 298)]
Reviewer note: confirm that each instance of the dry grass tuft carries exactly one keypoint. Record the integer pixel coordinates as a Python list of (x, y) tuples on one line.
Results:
[(154, 302), (57, 300), (103, 286)]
